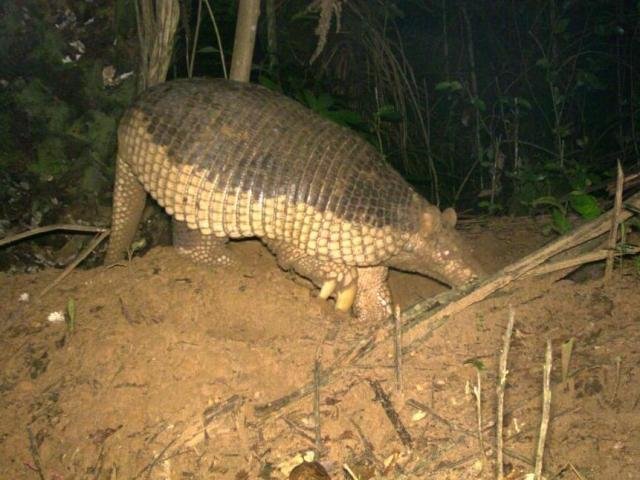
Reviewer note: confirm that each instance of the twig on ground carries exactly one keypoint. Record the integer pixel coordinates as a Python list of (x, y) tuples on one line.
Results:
[(502, 382), (316, 407), (477, 392), (397, 315), (148, 468), (453, 426), (615, 222), (617, 385), (214, 411), (393, 416), (298, 429), (578, 474), (125, 313), (35, 454), (546, 410), (83, 254), (350, 472), (367, 445)]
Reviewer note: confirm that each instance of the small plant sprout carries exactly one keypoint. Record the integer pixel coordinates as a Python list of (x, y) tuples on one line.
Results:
[(71, 315), (567, 349)]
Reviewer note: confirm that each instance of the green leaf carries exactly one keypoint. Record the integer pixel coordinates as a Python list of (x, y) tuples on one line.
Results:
[(560, 222), (388, 113), (324, 101), (523, 103), (479, 104), (586, 205), (270, 84), (51, 158), (543, 63), (549, 201), (452, 86), (561, 25), (310, 100), (209, 49), (477, 364), (343, 117)]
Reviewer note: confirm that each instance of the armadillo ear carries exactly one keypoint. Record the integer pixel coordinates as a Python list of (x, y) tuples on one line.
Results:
[(449, 217), (429, 220)]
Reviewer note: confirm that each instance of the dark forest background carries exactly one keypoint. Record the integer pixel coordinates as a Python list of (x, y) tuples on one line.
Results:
[(496, 107)]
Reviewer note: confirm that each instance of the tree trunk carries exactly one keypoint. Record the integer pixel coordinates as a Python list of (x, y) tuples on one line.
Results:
[(157, 23), (246, 27)]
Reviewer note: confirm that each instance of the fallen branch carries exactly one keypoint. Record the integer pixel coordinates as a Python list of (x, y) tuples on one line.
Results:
[(392, 414), (51, 228)]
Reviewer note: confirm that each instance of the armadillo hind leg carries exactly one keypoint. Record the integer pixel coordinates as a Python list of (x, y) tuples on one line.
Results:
[(334, 279), (200, 248), (373, 300), (128, 203)]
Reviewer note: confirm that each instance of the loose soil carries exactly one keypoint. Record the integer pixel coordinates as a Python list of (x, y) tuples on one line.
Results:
[(168, 367)]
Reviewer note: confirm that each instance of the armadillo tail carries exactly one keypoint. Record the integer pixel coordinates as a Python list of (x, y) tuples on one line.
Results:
[(128, 203)]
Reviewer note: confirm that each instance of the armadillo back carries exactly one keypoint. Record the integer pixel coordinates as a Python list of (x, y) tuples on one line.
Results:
[(238, 160)]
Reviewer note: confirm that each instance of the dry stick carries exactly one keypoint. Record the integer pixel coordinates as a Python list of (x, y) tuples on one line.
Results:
[(425, 408), (502, 381), (298, 429), (398, 347), (391, 413), (367, 445), (196, 432), (191, 59), (578, 474), (580, 260), (613, 233), (316, 407), (50, 228), (423, 318), (83, 254), (218, 39), (617, 384), (477, 392), (546, 409), (35, 454), (214, 411), (148, 468)]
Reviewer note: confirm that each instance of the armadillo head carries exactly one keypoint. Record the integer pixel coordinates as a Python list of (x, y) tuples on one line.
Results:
[(436, 250)]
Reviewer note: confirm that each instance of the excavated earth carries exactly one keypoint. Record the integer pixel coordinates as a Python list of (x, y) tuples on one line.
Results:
[(163, 369)]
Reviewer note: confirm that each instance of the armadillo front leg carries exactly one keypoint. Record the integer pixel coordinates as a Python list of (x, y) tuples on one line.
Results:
[(330, 277), (373, 302), (202, 249)]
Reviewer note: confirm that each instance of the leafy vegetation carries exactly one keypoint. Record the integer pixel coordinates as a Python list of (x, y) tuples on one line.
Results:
[(59, 117), (496, 107)]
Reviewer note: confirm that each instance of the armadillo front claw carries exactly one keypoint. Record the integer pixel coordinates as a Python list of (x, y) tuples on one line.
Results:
[(327, 289), (346, 298)]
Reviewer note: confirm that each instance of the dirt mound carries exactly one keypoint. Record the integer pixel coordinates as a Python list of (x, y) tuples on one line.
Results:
[(170, 368)]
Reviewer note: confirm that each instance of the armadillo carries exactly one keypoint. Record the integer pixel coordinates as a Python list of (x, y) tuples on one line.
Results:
[(230, 160)]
